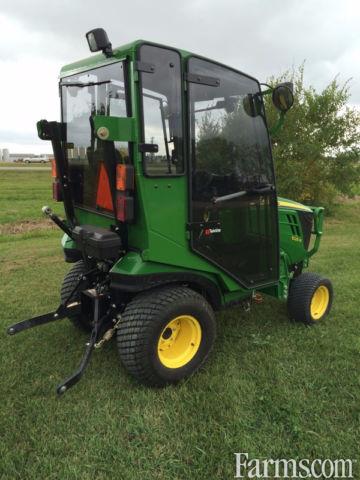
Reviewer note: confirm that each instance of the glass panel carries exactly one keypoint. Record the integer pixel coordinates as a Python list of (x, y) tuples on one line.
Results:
[(232, 175), (100, 91), (162, 112)]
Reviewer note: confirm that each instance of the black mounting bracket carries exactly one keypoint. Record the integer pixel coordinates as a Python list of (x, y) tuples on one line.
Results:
[(56, 132), (202, 79), (144, 67)]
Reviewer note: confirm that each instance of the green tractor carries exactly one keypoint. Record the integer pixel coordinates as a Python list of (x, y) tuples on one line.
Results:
[(163, 162)]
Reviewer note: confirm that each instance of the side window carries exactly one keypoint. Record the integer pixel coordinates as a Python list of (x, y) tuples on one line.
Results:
[(162, 111)]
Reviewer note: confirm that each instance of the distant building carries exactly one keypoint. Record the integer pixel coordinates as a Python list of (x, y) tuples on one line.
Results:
[(5, 155)]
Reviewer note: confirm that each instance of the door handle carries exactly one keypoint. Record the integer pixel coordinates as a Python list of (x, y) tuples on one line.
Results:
[(262, 189)]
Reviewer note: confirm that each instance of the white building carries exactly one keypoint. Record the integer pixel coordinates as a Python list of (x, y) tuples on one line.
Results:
[(5, 155)]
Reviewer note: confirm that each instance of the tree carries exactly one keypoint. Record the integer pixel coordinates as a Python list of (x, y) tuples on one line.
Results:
[(317, 152)]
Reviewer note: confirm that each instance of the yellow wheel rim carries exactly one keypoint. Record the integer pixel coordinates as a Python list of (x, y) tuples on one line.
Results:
[(179, 341), (319, 302)]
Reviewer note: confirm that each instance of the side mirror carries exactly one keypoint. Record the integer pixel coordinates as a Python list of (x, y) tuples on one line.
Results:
[(252, 104), (283, 97), (98, 40)]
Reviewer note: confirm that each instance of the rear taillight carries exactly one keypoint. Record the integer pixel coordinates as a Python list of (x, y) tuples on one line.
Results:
[(124, 207), (124, 189), (53, 168), (56, 187), (124, 177)]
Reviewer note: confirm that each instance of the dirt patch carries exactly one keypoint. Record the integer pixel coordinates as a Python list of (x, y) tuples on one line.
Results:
[(344, 199), (26, 226)]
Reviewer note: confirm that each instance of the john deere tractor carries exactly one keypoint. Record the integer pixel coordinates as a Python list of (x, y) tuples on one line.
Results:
[(163, 162)]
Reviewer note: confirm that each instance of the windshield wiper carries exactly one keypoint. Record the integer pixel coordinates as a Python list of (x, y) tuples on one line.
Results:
[(262, 188), (80, 85)]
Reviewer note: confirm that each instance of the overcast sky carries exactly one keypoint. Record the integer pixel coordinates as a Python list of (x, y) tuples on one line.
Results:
[(260, 37)]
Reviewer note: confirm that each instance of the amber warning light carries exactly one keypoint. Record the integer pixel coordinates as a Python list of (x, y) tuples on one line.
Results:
[(56, 187), (124, 192)]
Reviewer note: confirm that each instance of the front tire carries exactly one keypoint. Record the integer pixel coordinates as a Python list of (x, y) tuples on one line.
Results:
[(310, 298), (166, 335)]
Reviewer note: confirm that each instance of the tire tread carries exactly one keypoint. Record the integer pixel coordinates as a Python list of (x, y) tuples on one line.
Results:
[(301, 292), (135, 329)]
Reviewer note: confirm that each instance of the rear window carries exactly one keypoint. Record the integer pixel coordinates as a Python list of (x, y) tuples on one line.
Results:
[(100, 91)]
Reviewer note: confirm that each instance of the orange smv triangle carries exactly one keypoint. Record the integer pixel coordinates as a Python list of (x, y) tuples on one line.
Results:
[(103, 194)]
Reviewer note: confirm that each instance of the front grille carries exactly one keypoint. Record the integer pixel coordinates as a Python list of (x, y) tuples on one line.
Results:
[(306, 219), (293, 224)]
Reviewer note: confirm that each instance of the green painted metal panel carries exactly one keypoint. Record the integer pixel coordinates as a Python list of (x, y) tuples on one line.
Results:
[(87, 217), (67, 242), (122, 129)]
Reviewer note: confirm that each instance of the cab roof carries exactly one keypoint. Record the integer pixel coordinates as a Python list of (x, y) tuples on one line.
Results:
[(119, 53)]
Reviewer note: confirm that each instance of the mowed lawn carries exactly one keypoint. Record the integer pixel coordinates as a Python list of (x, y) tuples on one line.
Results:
[(271, 388)]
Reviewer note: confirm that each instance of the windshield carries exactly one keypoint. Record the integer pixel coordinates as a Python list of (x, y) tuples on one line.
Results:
[(229, 133), (100, 91)]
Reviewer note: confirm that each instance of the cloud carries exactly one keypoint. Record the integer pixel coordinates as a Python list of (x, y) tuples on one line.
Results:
[(260, 37), (21, 138)]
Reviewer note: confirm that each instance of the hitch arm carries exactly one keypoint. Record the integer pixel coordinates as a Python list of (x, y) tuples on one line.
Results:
[(76, 376), (59, 314)]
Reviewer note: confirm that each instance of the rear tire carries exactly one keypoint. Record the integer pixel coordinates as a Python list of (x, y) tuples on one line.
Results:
[(166, 335), (310, 298), (69, 282)]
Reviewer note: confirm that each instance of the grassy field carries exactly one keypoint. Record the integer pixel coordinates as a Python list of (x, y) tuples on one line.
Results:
[(23, 193), (272, 388)]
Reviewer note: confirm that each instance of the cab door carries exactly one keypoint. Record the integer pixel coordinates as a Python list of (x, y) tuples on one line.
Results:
[(233, 204), (163, 184)]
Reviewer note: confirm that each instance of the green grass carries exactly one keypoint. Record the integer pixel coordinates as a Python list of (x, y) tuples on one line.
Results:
[(271, 388), (23, 193)]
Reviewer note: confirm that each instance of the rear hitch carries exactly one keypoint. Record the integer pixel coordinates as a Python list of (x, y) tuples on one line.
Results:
[(60, 223), (64, 309)]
